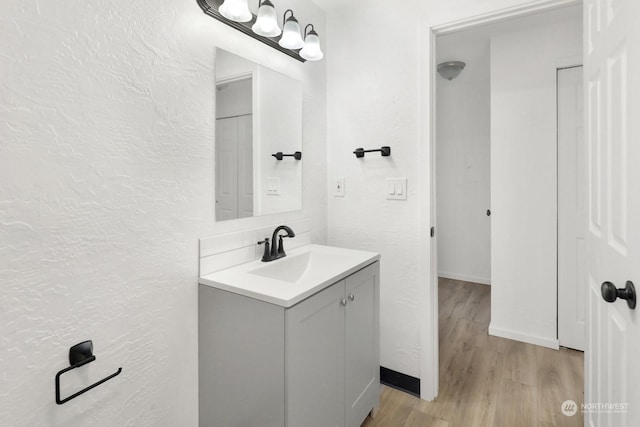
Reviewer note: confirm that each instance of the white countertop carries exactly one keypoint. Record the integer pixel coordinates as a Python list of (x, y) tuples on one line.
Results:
[(285, 282)]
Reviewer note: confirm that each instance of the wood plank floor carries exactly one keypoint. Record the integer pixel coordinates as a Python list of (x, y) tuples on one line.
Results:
[(487, 381)]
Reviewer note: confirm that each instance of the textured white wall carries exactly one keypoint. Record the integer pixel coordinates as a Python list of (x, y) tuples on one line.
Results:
[(106, 184), (378, 60), (462, 141), (524, 178), (372, 61)]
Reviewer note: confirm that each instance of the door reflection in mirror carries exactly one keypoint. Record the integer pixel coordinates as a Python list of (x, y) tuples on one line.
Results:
[(234, 149), (258, 112)]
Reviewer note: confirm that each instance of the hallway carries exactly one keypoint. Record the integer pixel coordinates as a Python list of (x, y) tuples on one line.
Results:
[(487, 381)]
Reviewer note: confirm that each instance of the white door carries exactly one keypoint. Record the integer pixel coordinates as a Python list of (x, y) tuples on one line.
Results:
[(245, 166), (612, 75), (234, 167), (572, 217), (226, 169)]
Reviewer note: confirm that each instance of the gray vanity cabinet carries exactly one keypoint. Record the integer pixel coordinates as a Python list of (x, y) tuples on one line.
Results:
[(313, 364), (332, 354)]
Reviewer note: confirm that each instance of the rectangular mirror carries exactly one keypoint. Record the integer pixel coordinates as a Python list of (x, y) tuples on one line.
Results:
[(258, 133)]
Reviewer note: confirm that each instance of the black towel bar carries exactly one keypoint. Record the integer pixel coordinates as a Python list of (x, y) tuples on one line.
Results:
[(385, 151), (297, 155)]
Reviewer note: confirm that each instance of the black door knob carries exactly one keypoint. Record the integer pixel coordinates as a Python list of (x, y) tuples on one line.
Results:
[(610, 293)]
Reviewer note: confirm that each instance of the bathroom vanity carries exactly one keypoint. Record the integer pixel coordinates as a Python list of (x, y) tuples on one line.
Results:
[(293, 342)]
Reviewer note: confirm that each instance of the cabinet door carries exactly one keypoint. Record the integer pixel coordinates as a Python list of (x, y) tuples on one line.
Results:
[(315, 360), (362, 366)]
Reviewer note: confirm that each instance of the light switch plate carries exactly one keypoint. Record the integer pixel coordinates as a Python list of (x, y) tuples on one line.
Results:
[(338, 187), (391, 188), (396, 189)]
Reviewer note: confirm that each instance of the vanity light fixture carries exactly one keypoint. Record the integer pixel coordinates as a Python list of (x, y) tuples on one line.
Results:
[(311, 50), (267, 22), (291, 38), (265, 28), (236, 10), (451, 69)]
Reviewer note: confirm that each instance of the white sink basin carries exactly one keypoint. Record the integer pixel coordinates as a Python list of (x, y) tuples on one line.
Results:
[(287, 281), (289, 269), (296, 267)]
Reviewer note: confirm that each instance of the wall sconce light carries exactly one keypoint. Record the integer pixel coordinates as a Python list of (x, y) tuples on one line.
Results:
[(451, 69), (236, 10), (311, 50), (265, 28), (290, 32), (267, 22)]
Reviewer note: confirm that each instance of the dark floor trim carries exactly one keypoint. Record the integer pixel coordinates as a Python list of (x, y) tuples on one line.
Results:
[(398, 380)]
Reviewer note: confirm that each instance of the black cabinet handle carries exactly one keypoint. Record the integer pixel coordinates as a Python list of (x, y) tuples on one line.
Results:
[(488, 212), (610, 293)]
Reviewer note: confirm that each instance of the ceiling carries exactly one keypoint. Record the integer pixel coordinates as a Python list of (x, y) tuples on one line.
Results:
[(327, 5)]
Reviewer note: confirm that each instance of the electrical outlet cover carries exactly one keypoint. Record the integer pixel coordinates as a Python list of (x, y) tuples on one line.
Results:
[(273, 186)]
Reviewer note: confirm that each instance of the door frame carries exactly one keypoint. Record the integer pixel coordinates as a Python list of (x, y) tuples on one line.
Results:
[(561, 65), (429, 354)]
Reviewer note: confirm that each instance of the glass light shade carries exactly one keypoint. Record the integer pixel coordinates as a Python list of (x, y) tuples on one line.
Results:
[(450, 70), (291, 38), (311, 50), (267, 23), (236, 10)]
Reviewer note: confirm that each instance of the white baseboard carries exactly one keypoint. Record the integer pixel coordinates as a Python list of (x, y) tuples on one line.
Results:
[(519, 336), (464, 277)]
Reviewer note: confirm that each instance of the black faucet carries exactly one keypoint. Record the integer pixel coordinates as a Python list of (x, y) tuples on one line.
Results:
[(276, 250)]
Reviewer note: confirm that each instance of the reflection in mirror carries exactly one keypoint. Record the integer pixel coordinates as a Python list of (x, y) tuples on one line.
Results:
[(258, 113), (234, 148)]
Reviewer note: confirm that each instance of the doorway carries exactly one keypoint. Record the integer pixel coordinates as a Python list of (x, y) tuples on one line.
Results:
[(463, 107), (524, 54)]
